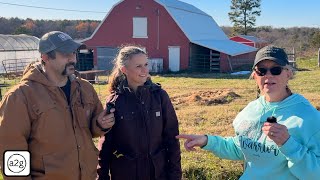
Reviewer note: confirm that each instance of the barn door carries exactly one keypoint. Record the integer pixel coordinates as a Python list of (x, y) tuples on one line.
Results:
[(105, 56), (174, 58)]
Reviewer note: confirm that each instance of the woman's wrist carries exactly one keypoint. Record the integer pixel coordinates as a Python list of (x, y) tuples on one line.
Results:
[(205, 141)]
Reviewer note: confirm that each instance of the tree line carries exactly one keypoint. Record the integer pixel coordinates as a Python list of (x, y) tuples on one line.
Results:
[(77, 29)]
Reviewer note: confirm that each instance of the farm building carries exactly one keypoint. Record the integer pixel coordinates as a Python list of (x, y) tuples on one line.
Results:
[(250, 41), (16, 51), (176, 36)]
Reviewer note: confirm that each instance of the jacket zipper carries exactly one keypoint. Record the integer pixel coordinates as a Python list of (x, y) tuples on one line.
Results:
[(142, 110)]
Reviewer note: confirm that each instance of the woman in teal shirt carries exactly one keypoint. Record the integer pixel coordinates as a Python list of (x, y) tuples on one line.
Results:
[(278, 134)]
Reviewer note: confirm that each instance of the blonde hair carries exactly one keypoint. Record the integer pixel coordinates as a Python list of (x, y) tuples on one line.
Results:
[(125, 53)]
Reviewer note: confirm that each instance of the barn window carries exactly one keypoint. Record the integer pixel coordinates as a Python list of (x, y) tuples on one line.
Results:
[(140, 27)]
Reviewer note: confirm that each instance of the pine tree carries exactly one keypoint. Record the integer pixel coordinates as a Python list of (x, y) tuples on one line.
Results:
[(243, 15)]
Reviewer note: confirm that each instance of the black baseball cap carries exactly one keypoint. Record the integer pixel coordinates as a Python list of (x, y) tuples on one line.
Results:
[(58, 41), (273, 53)]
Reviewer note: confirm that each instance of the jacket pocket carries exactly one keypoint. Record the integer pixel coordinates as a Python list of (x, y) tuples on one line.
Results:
[(125, 117), (37, 165), (156, 114), (42, 109), (123, 167), (47, 120), (157, 123), (125, 120), (57, 166), (84, 112), (91, 156), (159, 161)]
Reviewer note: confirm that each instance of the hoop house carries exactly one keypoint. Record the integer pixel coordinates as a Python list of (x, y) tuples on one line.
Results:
[(16, 51)]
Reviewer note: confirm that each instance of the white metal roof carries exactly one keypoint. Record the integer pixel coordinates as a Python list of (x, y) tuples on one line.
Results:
[(229, 47), (200, 28), (195, 23), (181, 5)]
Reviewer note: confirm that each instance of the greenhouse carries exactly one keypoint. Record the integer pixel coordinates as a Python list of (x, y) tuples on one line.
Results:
[(17, 51)]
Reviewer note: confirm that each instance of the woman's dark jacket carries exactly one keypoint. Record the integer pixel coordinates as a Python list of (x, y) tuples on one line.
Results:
[(142, 144)]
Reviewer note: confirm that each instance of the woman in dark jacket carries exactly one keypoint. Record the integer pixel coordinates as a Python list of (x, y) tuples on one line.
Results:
[(141, 145)]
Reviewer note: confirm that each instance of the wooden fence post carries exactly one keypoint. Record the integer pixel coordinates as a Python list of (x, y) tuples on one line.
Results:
[(294, 58), (319, 57), (230, 65)]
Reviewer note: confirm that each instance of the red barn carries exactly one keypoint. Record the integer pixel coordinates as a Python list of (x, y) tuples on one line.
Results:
[(176, 35), (250, 41)]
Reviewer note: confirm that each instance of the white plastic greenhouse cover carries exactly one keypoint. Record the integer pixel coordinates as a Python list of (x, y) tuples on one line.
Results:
[(16, 51)]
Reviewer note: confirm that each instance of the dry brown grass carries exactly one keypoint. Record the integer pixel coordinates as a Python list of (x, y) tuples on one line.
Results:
[(205, 98), (208, 103)]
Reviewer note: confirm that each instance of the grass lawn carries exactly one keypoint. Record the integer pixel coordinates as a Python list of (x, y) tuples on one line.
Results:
[(204, 107), (200, 118)]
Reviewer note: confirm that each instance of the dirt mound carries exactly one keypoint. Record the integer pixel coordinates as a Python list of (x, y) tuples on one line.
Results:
[(206, 97)]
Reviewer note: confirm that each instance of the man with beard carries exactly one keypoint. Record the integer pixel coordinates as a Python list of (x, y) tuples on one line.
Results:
[(54, 115)]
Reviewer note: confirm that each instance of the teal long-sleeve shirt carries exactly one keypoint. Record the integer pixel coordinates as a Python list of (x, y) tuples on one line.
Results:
[(298, 158)]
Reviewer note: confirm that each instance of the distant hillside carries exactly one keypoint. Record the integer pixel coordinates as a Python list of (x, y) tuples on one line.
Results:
[(77, 29), (306, 41)]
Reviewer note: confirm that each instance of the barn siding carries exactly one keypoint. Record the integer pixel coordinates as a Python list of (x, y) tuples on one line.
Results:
[(116, 30), (249, 42), (238, 63)]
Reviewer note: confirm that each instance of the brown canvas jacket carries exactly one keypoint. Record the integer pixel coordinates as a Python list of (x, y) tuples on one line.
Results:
[(35, 116)]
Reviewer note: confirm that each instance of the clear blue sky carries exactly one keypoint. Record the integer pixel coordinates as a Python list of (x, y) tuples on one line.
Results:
[(276, 13)]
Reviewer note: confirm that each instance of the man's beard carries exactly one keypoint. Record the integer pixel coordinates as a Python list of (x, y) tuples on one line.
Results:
[(64, 72)]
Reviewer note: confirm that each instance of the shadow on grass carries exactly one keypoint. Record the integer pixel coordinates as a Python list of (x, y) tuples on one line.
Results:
[(198, 75), (302, 69), (209, 174)]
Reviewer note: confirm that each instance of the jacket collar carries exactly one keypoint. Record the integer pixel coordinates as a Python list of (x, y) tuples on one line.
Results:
[(124, 87), (35, 72)]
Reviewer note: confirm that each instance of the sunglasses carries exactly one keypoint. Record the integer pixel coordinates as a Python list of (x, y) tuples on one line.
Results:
[(277, 70)]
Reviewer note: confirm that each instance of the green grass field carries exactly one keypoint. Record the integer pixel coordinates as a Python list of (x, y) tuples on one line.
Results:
[(201, 115)]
